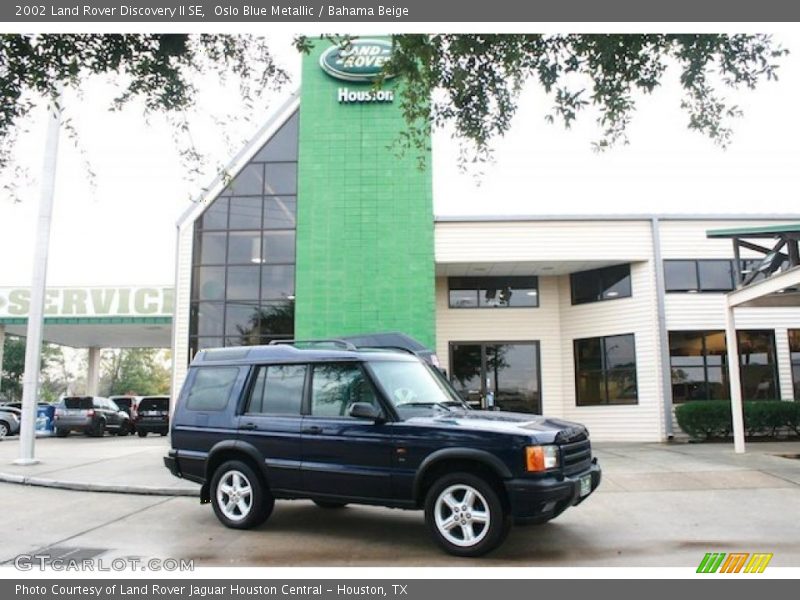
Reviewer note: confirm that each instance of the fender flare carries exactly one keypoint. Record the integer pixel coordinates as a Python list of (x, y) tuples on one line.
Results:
[(234, 446), (481, 456)]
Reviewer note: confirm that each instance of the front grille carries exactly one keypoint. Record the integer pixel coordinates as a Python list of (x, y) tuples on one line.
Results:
[(576, 456)]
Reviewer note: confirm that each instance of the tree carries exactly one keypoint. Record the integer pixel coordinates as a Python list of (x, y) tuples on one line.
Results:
[(140, 371), (470, 81), (52, 359)]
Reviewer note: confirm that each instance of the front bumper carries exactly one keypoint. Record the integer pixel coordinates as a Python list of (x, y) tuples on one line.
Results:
[(539, 500)]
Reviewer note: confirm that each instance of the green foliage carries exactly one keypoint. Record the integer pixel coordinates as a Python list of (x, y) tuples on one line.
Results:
[(13, 369), (712, 418), (138, 371)]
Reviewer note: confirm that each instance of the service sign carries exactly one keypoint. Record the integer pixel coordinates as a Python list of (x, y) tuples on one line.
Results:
[(360, 61), (144, 301)]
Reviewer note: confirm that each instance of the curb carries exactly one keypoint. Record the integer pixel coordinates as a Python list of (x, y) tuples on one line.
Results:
[(81, 486)]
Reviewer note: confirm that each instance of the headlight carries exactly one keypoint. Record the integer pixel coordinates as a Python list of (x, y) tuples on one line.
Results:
[(541, 458)]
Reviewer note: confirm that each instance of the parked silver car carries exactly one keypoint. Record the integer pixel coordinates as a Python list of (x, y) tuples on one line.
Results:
[(92, 415), (9, 421)]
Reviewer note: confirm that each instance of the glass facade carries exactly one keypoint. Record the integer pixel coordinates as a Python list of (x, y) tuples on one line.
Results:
[(609, 283), (243, 273), (699, 365), (493, 292), (605, 370), (698, 275)]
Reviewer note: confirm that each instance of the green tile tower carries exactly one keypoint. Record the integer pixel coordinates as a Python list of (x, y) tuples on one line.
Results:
[(365, 256)]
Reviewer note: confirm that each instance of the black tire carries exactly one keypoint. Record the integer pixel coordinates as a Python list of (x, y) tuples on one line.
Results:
[(98, 429), (329, 505), (5, 429), (62, 432), (141, 433), (261, 500), (124, 429), (487, 503), (163, 433)]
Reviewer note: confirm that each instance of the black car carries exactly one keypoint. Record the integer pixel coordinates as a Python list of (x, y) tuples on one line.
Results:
[(152, 415), (377, 427), (92, 415)]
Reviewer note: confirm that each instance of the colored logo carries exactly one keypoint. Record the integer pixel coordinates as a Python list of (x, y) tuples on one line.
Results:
[(735, 562), (360, 60)]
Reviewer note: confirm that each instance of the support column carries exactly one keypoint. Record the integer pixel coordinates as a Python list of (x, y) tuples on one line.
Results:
[(737, 410), (2, 348), (93, 373)]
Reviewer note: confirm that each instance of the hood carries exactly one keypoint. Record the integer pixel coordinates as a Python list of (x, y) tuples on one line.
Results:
[(545, 429)]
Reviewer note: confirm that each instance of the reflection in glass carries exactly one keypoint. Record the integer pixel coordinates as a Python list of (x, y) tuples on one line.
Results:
[(605, 370), (758, 367)]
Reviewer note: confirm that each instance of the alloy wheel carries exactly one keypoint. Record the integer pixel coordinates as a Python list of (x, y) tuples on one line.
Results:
[(462, 515)]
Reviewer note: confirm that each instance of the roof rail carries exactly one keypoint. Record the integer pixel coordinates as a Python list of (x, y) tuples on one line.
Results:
[(398, 348), (336, 342)]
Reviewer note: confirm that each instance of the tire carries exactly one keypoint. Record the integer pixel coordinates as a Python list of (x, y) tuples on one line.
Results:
[(233, 475), (163, 433), (4, 429), (141, 433), (450, 525), (124, 429), (98, 429), (329, 505), (62, 432)]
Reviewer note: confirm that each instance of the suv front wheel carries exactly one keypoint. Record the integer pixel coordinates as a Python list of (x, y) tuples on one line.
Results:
[(465, 515), (240, 498)]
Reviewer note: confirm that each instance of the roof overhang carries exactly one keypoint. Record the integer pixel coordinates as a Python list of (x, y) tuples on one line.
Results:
[(781, 289), (541, 268)]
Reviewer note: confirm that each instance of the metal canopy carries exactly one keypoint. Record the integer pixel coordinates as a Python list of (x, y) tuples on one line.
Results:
[(773, 279)]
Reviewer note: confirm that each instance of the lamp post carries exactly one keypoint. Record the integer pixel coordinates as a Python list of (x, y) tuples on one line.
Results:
[(33, 341)]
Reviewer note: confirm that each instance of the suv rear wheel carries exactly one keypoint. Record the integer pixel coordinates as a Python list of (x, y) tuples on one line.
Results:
[(465, 515), (240, 498)]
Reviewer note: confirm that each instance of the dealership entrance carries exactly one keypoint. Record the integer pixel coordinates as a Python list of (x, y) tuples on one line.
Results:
[(501, 374)]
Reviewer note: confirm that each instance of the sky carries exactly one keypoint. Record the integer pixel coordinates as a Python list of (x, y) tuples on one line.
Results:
[(121, 230)]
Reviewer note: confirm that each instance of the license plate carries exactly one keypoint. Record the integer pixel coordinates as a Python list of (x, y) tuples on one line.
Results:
[(586, 485)]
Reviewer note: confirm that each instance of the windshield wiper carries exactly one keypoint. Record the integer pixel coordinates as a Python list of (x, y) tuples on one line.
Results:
[(443, 405)]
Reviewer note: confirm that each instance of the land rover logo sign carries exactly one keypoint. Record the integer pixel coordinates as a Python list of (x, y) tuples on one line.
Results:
[(361, 61)]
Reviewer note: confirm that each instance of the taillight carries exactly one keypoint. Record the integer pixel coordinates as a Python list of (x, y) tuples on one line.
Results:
[(90, 413)]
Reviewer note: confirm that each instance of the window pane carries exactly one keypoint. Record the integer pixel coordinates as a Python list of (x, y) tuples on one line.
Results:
[(615, 282), (589, 354), (283, 393), (244, 247), (463, 298), (209, 283), (208, 317), (276, 319), (281, 178), (465, 370), (255, 403), (688, 383), (585, 287), (715, 275), (245, 213), (280, 212), (211, 388), (277, 282), (680, 275), (243, 283), (216, 215), (282, 145), (622, 386), (278, 247), (590, 388), (757, 359), (336, 388), (794, 349), (620, 351), (241, 320), (210, 249), (249, 182)]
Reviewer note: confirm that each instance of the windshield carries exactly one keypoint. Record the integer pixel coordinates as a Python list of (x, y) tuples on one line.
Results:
[(414, 388)]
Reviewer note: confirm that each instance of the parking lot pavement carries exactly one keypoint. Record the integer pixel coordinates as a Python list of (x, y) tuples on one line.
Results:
[(659, 505)]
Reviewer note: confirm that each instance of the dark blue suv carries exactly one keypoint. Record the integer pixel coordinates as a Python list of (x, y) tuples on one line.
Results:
[(365, 426)]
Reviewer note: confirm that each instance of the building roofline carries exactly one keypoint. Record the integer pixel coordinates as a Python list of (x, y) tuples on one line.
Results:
[(276, 120), (616, 217)]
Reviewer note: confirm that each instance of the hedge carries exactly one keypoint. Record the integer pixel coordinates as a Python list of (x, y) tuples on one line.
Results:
[(705, 419)]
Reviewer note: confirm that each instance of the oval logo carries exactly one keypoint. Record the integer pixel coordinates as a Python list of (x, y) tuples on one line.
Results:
[(361, 61)]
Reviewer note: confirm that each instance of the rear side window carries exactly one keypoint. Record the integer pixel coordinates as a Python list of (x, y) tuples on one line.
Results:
[(336, 387), (154, 404), (123, 403), (211, 388), (83, 402), (278, 390)]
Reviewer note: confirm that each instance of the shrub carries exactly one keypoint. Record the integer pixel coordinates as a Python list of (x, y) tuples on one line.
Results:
[(712, 418)]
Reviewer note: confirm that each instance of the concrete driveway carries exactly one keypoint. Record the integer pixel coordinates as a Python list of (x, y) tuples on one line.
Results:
[(659, 505)]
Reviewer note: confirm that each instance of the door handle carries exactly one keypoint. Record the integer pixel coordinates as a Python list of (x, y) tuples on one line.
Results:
[(249, 426), (315, 429)]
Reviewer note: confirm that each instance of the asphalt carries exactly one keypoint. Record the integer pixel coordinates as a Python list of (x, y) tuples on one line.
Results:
[(134, 465)]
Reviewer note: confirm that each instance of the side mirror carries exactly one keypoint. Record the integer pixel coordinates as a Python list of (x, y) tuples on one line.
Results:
[(365, 410)]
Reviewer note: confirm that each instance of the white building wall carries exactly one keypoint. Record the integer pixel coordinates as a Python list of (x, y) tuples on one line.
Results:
[(180, 320)]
